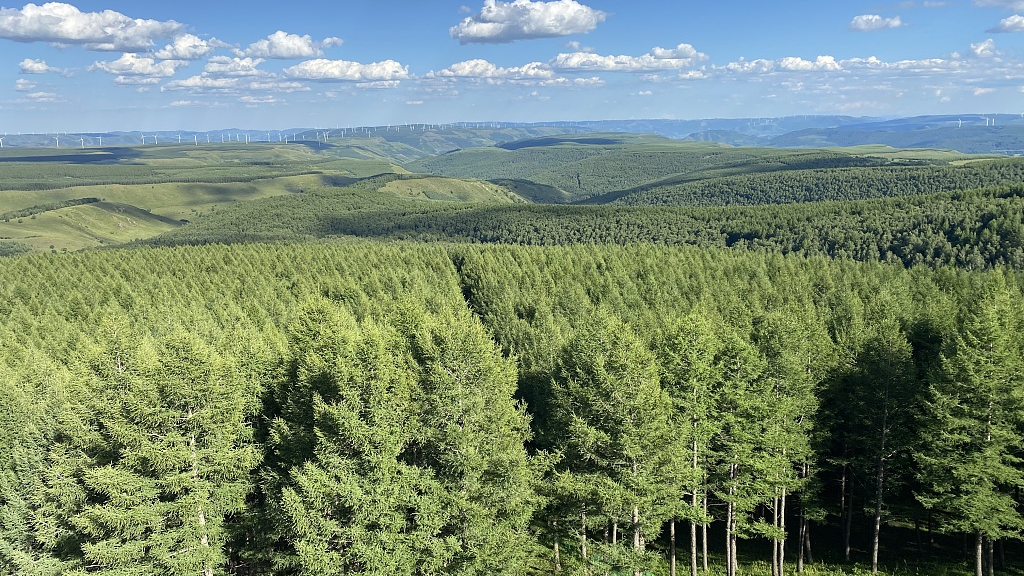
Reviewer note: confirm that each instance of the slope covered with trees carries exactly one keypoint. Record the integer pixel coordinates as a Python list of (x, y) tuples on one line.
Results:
[(359, 407)]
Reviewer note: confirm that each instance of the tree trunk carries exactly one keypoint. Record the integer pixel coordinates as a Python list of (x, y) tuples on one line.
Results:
[(782, 526), (672, 547), (583, 535), (802, 535), (704, 534), (693, 541), (807, 543), (775, 540), (991, 557), (558, 557), (879, 481), (204, 539), (977, 553), (615, 532), (636, 534), (848, 524), (730, 527)]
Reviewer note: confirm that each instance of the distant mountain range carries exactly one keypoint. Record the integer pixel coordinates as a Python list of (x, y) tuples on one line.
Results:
[(968, 133)]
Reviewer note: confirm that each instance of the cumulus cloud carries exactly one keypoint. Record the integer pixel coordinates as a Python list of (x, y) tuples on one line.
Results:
[(187, 47), (1014, 23), (30, 66), (983, 91), (22, 85), (284, 46), (502, 22), (344, 71), (794, 64), (870, 22), (227, 66), (682, 56), (482, 69), (259, 99), (984, 49), (130, 64), (65, 24)]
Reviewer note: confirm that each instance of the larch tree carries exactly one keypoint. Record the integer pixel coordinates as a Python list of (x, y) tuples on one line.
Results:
[(618, 431), (171, 460), (970, 461)]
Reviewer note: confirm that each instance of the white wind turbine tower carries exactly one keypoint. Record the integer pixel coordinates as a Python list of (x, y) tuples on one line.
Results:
[(101, 140), (57, 139), (155, 139), (83, 142), (196, 137), (1, 142), (179, 137), (143, 139)]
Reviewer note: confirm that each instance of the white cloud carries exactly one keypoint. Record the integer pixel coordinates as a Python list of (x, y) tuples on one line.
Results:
[(206, 84), (983, 91), (870, 22), (501, 22), (484, 70), (30, 66), (227, 66), (203, 83), (65, 24), (378, 84), (344, 71), (414, 102), (22, 85), (800, 65), (682, 56), (644, 93), (187, 47), (1014, 23), (1005, 4), (136, 81), (41, 97), (196, 104), (130, 64), (984, 49), (286, 46), (259, 99)]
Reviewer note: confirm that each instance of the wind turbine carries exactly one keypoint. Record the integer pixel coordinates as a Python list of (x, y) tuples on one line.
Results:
[(959, 123), (179, 137), (101, 140), (207, 137), (196, 136), (268, 137), (156, 140), (1, 142), (56, 137), (83, 143), (143, 139)]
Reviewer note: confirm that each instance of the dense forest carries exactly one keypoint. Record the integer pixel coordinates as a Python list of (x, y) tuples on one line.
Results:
[(372, 408), (974, 229)]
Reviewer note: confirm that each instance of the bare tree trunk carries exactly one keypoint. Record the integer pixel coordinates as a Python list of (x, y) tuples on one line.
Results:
[(991, 557), (583, 535), (807, 543), (693, 540), (636, 534), (615, 531), (730, 527), (801, 535), (978, 537), (848, 524), (782, 526), (204, 539), (558, 556), (775, 540), (672, 547), (879, 483), (704, 534)]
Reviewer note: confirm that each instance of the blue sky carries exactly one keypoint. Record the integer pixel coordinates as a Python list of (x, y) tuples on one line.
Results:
[(186, 64)]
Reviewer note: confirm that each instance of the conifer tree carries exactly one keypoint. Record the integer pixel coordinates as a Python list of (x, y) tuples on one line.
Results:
[(171, 459), (619, 441), (970, 461)]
